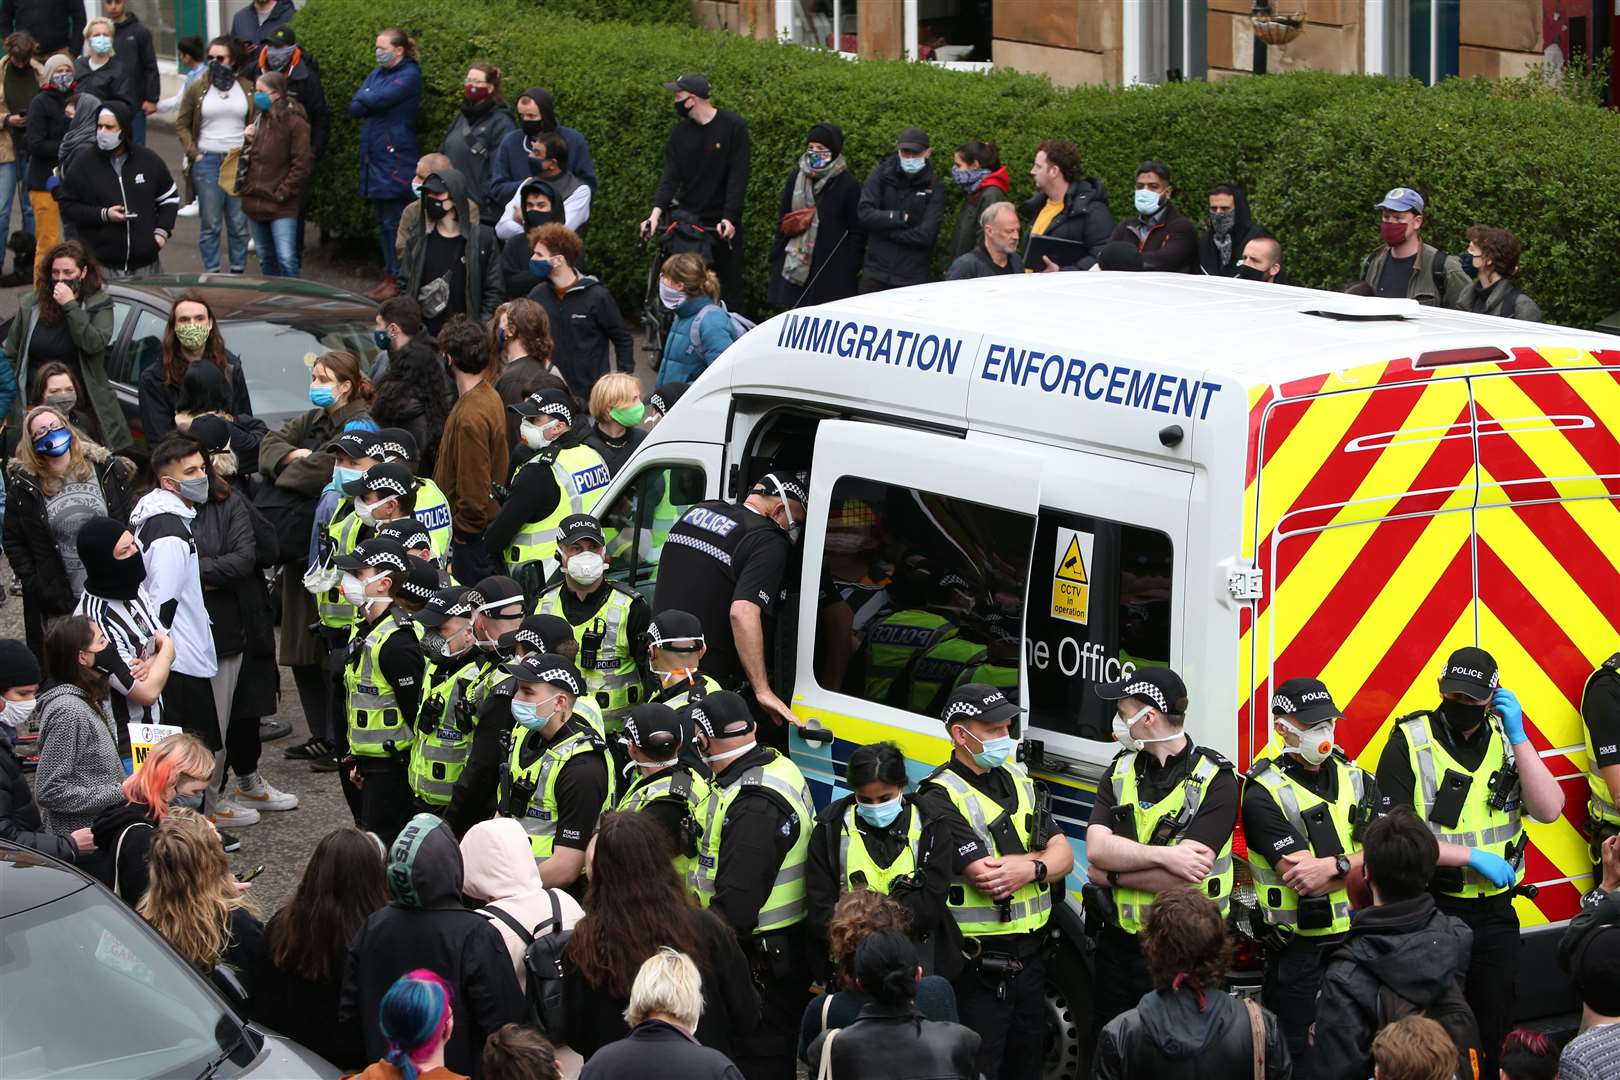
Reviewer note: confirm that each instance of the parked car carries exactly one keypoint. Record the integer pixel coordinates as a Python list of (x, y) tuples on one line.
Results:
[(92, 991)]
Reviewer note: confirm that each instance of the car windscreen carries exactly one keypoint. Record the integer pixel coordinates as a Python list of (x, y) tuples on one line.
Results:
[(274, 358), (89, 991)]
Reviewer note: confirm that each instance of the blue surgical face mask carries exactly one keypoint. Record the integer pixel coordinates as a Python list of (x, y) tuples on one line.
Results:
[(262, 100), (342, 476), (1147, 202), (993, 753), (379, 338), (101, 43), (881, 815), (913, 164), (540, 268), (321, 396), (54, 443)]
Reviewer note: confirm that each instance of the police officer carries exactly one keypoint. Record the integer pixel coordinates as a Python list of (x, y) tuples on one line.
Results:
[(1469, 770), (895, 640), (667, 778), (353, 452), (1008, 857), (1303, 812), (497, 603), (675, 649), (661, 400), (1600, 709), (411, 535), (607, 618), (385, 492), (1163, 819), (558, 778), (751, 864), (560, 477), (446, 719), (725, 563), (397, 445), (382, 680), (877, 838)]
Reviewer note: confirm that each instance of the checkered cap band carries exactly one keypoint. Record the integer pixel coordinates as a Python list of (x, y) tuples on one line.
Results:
[(383, 558), (700, 717), (962, 708), (422, 591), (455, 610), (561, 677), (1150, 692), (390, 449), (386, 483)]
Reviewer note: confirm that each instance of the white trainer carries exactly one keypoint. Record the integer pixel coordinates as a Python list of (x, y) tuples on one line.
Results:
[(188, 210), (254, 792), (233, 815)]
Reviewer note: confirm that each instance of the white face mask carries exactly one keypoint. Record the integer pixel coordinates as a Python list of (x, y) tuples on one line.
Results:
[(367, 512), (1315, 743), (715, 759), (1122, 731), (354, 591), (18, 713), (586, 567), (534, 436), (650, 766)]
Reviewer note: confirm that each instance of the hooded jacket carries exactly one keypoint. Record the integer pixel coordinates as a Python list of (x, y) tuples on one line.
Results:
[(471, 143), (900, 213), (483, 280), (90, 323), (991, 190), (246, 24), (80, 137), (569, 194), (162, 524), (516, 278), (124, 866), (386, 105), (585, 320), (513, 164), (141, 184), (1168, 242), (303, 86), (132, 43), (20, 822), (501, 871), (1210, 259), (1085, 219), (1170, 1036), (425, 926), (1412, 948), (47, 123), (29, 543), (79, 772), (279, 163), (1503, 299)]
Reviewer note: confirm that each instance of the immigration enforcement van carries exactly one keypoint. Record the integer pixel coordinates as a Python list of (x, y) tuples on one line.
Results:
[(1059, 477)]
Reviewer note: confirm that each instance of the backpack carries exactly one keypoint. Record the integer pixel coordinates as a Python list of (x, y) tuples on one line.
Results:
[(542, 961), (740, 325), (1451, 1012)]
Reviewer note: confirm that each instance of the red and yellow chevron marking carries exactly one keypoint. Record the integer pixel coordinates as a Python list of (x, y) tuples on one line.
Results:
[(1388, 540)]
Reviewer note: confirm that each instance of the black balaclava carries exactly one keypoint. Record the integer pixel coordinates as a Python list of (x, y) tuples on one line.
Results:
[(104, 575)]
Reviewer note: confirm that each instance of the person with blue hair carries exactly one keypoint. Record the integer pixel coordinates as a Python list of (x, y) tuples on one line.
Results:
[(415, 1017)]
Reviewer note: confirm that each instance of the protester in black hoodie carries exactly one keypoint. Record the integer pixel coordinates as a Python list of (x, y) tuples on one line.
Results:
[(1402, 942), (175, 773), (55, 25), (132, 44), (121, 197), (1187, 1027), (426, 926), (451, 266), (539, 205), (1220, 251), (902, 206), (1167, 240)]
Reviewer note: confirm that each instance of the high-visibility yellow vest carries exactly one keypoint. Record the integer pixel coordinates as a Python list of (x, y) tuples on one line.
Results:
[(855, 858), (680, 782), (615, 681), (684, 693), (538, 813), (433, 513), (1180, 805), (440, 752), (376, 726), (1279, 904), (581, 477), (785, 906), (938, 669), (894, 641), (1600, 804), (1478, 825), (977, 914), (344, 532)]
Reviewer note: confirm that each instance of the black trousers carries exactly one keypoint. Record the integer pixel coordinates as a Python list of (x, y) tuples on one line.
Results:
[(470, 562), (386, 803), (188, 700), (243, 746), (728, 267), (1119, 977), (1492, 985), (1009, 1015), (1293, 976), (315, 698), (770, 1051)]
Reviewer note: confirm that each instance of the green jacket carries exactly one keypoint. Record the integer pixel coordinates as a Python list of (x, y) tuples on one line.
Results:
[(1423, 285), (90, 322)]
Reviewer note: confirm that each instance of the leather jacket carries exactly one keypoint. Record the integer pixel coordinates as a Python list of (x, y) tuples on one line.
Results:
[(890, 1043), (1170, 1036)]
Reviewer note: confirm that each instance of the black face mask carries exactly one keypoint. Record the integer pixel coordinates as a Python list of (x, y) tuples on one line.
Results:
[(1245, 272), (683, 109), (219, 73), (435, 209), (1462, 717), (115, 579), (531, 128), (108, 660), (533, 219)]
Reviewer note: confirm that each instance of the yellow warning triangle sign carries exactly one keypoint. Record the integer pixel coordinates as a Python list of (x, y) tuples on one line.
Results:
[(1073, 567)]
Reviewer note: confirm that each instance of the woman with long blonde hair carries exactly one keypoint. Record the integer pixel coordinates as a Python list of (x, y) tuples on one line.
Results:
[(175, 773), (194, 901), (57, 481)]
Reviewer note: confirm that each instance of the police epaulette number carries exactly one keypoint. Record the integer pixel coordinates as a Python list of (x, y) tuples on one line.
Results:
[(1612, 663), (505, 688), (1259, 768)]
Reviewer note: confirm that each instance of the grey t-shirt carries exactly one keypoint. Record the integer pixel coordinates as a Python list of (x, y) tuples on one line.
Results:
[(67, 511)]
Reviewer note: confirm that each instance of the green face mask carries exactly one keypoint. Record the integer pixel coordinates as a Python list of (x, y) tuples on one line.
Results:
[(629, 415), (192, 335)]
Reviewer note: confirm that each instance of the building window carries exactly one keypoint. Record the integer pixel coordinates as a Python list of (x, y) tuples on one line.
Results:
[(1434, 48), (158, 17), (956, 33)]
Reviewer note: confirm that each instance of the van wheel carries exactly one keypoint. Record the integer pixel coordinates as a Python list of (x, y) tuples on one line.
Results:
[(1068, 1018)]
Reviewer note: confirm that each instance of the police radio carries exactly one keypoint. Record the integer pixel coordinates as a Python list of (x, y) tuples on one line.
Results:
[(1504, 788), (590, 644)]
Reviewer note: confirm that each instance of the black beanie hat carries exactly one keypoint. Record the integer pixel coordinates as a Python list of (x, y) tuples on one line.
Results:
[(104, 575), (829, 135), (18, 666)]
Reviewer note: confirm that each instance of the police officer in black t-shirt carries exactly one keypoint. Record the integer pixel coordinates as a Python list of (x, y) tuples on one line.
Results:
[(1600, 711), (725, 563)]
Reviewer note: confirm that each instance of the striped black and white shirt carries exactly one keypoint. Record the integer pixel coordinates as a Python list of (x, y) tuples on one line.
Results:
[(128, 626)]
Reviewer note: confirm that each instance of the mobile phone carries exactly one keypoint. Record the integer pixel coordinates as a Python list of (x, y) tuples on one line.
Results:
[(248, 875), (149, 649)]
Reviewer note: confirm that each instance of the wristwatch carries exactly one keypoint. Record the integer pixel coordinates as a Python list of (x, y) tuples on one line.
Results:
[(1341, 863), (1040, 870)]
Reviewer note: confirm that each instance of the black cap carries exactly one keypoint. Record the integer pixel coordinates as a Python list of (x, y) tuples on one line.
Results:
[(721, 715), (394, 443), (1158, 686), (914, 138), (390, 478), (451, 603), (378, 551), (500, 593), (542, 633), (692, 83), (548, 668), (411, 533), (356, 444), (282, 36), (780, 482), (673, 627), (1306, 702), (18, 665), (664, 398), (654, 727), (577, 527), (829, 135), (553, 403), (1594, 968), (978, 701), (421, 578), (1472, 671), (212, 431), (435, 185)]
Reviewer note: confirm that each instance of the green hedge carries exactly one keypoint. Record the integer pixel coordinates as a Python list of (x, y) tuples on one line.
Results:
[(1315, 150)]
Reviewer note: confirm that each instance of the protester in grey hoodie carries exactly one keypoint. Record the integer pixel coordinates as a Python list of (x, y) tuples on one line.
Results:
[(79, 773)]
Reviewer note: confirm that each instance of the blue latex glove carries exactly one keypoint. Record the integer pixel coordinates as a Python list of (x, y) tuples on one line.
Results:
[(1495, 869), (1505, 703)]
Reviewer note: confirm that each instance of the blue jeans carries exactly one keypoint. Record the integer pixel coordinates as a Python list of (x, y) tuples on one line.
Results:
[(216, 210), (8, 192), (388, 214), (137, 127), (277, 242), (22, 186)]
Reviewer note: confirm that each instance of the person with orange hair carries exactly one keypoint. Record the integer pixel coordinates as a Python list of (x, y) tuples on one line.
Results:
[(175, 773)]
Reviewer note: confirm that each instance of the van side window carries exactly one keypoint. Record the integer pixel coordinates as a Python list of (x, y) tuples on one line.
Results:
[(1099, 606), (934, 588), (639, 520)]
